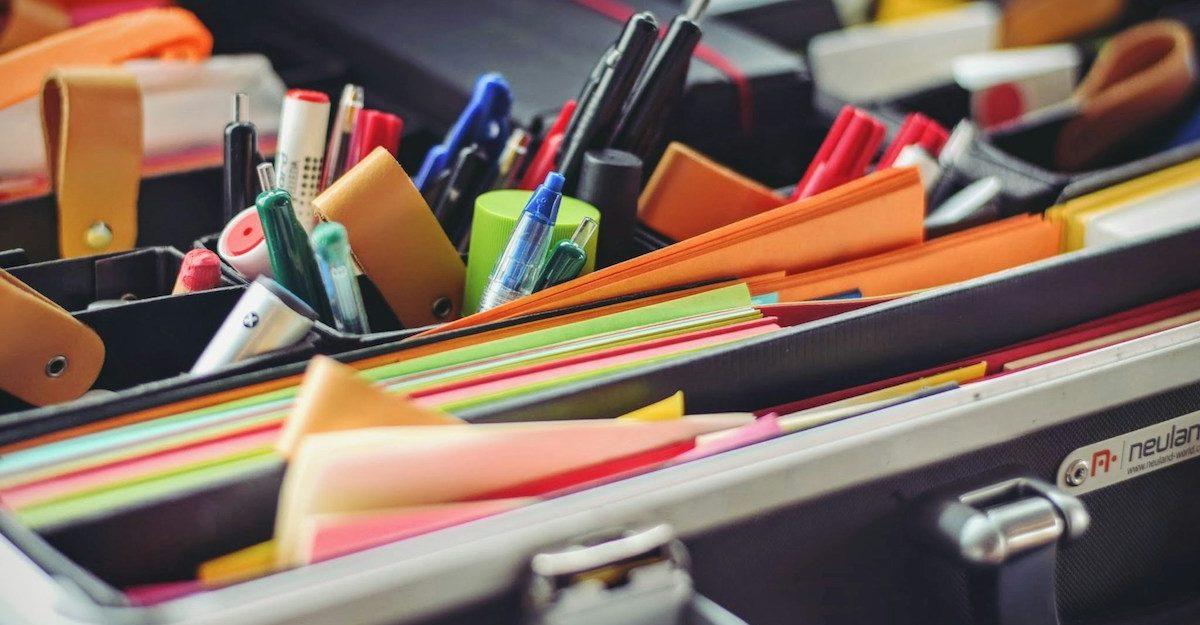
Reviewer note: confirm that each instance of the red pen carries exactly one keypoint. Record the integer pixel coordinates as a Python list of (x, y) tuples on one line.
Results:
[(543, 161), (200, 271), (844, 155), (917, 130), (374, 129)]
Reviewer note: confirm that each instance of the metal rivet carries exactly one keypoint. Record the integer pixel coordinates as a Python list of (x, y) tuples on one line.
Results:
[(250, 320), (56, 366), (1077, 473), (442, 307), (98, 236)]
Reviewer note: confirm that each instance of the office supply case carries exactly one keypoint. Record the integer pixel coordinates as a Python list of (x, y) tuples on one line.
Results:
[(807, 527)]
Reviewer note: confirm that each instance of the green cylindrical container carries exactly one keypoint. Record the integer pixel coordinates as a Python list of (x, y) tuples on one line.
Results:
[(496, 214)]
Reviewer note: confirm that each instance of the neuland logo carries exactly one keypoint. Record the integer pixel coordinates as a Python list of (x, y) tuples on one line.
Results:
[(1133, 454)]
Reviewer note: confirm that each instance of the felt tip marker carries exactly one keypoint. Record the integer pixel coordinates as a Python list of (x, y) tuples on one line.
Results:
[(200, 271), (516, 271)]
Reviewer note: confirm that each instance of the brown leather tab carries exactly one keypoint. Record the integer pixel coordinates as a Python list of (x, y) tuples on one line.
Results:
[(92, 120), (46, 356), (30, 20)]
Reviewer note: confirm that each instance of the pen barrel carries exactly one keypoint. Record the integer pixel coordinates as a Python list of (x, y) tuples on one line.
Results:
[(565, 263), (516, 271), (300, 150), (241, 142), (292, 259), (658, 91), (611, 180)]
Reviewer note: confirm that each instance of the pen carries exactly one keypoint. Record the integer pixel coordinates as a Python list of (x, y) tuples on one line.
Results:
[(595, 121), (332, 248), (844, 154), (372, 130), (267, 317), (338, 145), (512, 158), (292, 260), (542, 162), (568, 257), (241, 143), (301, 149), (658, 90), (455, 208), (484, 121), (516, 269), (200, 271)]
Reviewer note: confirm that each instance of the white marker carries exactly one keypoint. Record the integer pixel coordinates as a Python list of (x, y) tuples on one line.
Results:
[(300, 150)]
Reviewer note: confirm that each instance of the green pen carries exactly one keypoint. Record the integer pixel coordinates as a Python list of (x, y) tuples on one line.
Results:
[(292, 259), (337, 272), (567, 258)]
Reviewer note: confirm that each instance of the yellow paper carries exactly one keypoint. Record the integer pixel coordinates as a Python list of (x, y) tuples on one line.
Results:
[(254, 561), (668, 409)]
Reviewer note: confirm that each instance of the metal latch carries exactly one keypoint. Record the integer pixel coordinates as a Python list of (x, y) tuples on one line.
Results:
[(1006, 535), (635, 577)]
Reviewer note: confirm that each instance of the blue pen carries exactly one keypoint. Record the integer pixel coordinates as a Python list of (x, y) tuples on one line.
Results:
[(517, 269), (484, 122)]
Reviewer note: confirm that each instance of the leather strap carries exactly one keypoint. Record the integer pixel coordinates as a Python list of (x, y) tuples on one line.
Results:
[(1140, 77), (172, 34), (46, 356), (92, 120), (29, 20)]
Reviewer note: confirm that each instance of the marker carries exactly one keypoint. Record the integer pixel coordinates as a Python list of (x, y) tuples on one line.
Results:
[(301, 150), (484, 121), (200, 271), (332, 248), (243, 245), (844, 154), (338, 145), (241, 143), (372, 130), (266, 318), (916, 156), (917, 130), (568, 257), (292, 259), (516, 270), (595, 121), (659, 90), (611, 180), (543, 159)]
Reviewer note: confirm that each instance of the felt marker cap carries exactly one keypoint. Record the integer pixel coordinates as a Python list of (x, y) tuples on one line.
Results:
[(496, 215)]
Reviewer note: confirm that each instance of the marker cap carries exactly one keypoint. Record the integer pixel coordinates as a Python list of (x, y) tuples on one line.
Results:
[(244, 246)]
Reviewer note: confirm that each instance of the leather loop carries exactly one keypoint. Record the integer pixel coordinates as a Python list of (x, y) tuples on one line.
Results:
[(30, 20), (92, 120), (46, 356), (1140, 77)]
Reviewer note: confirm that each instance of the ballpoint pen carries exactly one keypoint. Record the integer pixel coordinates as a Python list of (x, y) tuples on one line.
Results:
[(484, 121), (200, 271), (301, 149), (338, 145), (515, 153), (455, 207), (332, 248), (567, 258), (658, 90), (292, 259), (241, 142), (595, 121), (516, 270)]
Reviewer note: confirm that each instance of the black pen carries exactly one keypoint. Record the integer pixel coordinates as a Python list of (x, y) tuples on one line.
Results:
[(241, 157), (599, 109), (659, 90), (455, 207)]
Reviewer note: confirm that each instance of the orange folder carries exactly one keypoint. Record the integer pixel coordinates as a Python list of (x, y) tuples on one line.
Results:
[(690, 194), (871, 215), (946, 260), (171, 33)]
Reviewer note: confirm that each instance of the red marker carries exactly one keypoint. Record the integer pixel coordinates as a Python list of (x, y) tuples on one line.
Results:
[(543, 161), (917, 130), (844, 155), (201, 270), (372, 130)]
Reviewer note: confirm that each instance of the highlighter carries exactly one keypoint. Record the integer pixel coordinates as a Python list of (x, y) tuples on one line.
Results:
[(300, 150), (292, 259), (568, 257), (516, 270), (332, 247)]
